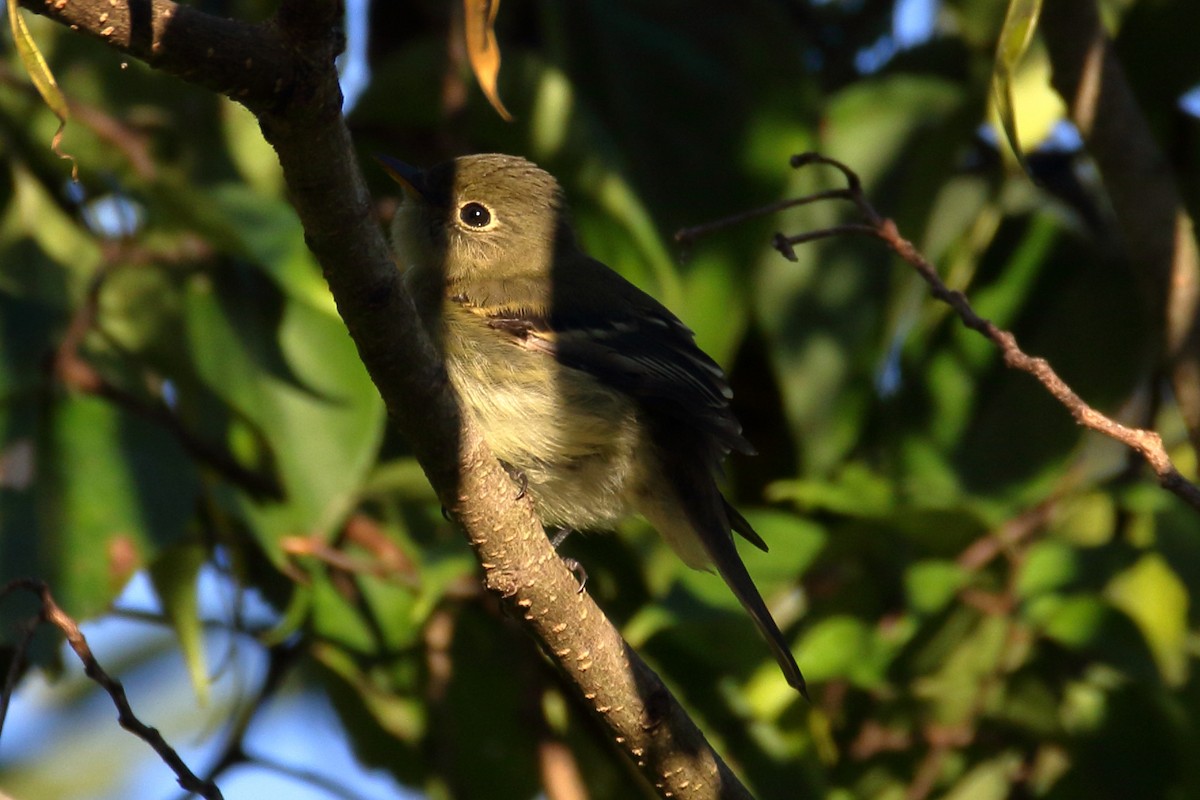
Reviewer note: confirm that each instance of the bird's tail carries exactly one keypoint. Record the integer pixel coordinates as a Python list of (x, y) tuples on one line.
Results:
[(721, 549)]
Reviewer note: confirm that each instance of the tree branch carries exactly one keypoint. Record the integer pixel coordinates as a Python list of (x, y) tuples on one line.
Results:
[(52, 613), (283, 70), (1159, 233), (1147, 443)]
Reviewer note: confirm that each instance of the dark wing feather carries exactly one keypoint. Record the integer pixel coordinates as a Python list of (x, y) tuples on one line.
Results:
[(637, 346)]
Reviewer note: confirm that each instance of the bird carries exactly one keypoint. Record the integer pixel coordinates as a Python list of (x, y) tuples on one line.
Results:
[(591, 393)]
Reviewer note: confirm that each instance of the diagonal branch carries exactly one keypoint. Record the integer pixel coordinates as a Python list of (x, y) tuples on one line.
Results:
[(1146, 442), (251, 63), (52, 613), (283, 71)]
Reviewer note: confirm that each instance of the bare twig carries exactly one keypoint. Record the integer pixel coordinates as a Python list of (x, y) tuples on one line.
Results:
[(52, 613), (1146, 442), (688, 235)]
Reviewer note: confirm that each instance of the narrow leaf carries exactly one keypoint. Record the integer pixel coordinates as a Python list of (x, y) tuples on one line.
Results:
[(482, 48), (1019, 25), (43, 80), (174, 577)]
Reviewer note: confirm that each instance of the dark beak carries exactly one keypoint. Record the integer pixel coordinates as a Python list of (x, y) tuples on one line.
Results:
[(410, 178)]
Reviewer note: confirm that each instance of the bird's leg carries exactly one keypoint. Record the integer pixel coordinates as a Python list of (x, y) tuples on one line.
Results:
[(576, 568), (559, 537)]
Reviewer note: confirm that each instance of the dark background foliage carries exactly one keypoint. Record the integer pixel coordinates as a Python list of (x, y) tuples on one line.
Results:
[(237, 456)]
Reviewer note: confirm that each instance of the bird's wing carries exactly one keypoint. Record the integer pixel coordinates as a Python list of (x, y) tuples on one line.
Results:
[(601, 324)]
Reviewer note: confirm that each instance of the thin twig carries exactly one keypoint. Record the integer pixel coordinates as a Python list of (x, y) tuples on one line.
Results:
[(688, 235), (1146, 442), (52, 613)]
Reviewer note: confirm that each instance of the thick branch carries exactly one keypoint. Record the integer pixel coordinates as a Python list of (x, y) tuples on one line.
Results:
[(1155, 224), (251, 63), (290, 82)]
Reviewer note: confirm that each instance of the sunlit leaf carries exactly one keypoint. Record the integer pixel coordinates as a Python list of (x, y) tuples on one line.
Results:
[(483, 50), (932, 584), (43, 79), (1019, 25), (1153, 596)]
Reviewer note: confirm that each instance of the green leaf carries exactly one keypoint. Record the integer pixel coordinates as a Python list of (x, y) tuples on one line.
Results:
[(1154, 597), (43, 79), (174, 575), (930, 585), (1049, 565), (855, 491), (115, 488), (1019, 25), (301, 383), (841, 647), (266, 231), (1090, 626)]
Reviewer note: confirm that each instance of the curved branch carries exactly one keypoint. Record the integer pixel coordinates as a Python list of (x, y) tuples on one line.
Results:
[(249, 62), (52, 613), (1146, 442), (283, 70)]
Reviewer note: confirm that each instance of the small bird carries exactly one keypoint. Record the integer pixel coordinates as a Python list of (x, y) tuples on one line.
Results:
[(587, 389)]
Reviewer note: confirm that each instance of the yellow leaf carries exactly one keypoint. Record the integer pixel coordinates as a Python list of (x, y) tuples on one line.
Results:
[(482, 48), (1154, 596), (1015, 35), (43, 79)]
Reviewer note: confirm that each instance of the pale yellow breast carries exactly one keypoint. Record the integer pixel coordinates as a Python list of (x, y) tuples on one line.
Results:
[(575, 441)]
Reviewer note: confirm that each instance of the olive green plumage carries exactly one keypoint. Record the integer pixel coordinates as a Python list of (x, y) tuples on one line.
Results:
[(584, 384)]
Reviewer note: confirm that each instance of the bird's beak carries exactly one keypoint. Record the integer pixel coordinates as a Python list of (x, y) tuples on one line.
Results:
[(410, 178)]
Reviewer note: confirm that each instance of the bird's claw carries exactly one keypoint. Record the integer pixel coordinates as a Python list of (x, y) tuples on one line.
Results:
[(578, 571)]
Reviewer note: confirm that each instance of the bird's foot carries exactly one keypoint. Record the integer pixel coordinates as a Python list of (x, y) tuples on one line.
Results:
[(580, 573), (519, 476)]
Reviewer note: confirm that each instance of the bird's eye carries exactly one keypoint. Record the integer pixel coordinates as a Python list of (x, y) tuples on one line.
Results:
[(475, 215)]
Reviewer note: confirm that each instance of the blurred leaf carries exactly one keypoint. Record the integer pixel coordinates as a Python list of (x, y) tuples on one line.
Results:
[(933, 584), (990, 779), (854, 491), (322, 418), (174, 576), (254, 157), (840, 647), (267, 232), (1092, 627), (1049, 565), (116, 488), (1019, 25), (795, 544), (1086, 519), (1153, 596), (483, 50), (401, 477)]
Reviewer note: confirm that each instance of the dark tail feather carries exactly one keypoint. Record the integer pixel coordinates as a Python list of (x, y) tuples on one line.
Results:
[(740, 525), (710, 518), (731, 568)]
